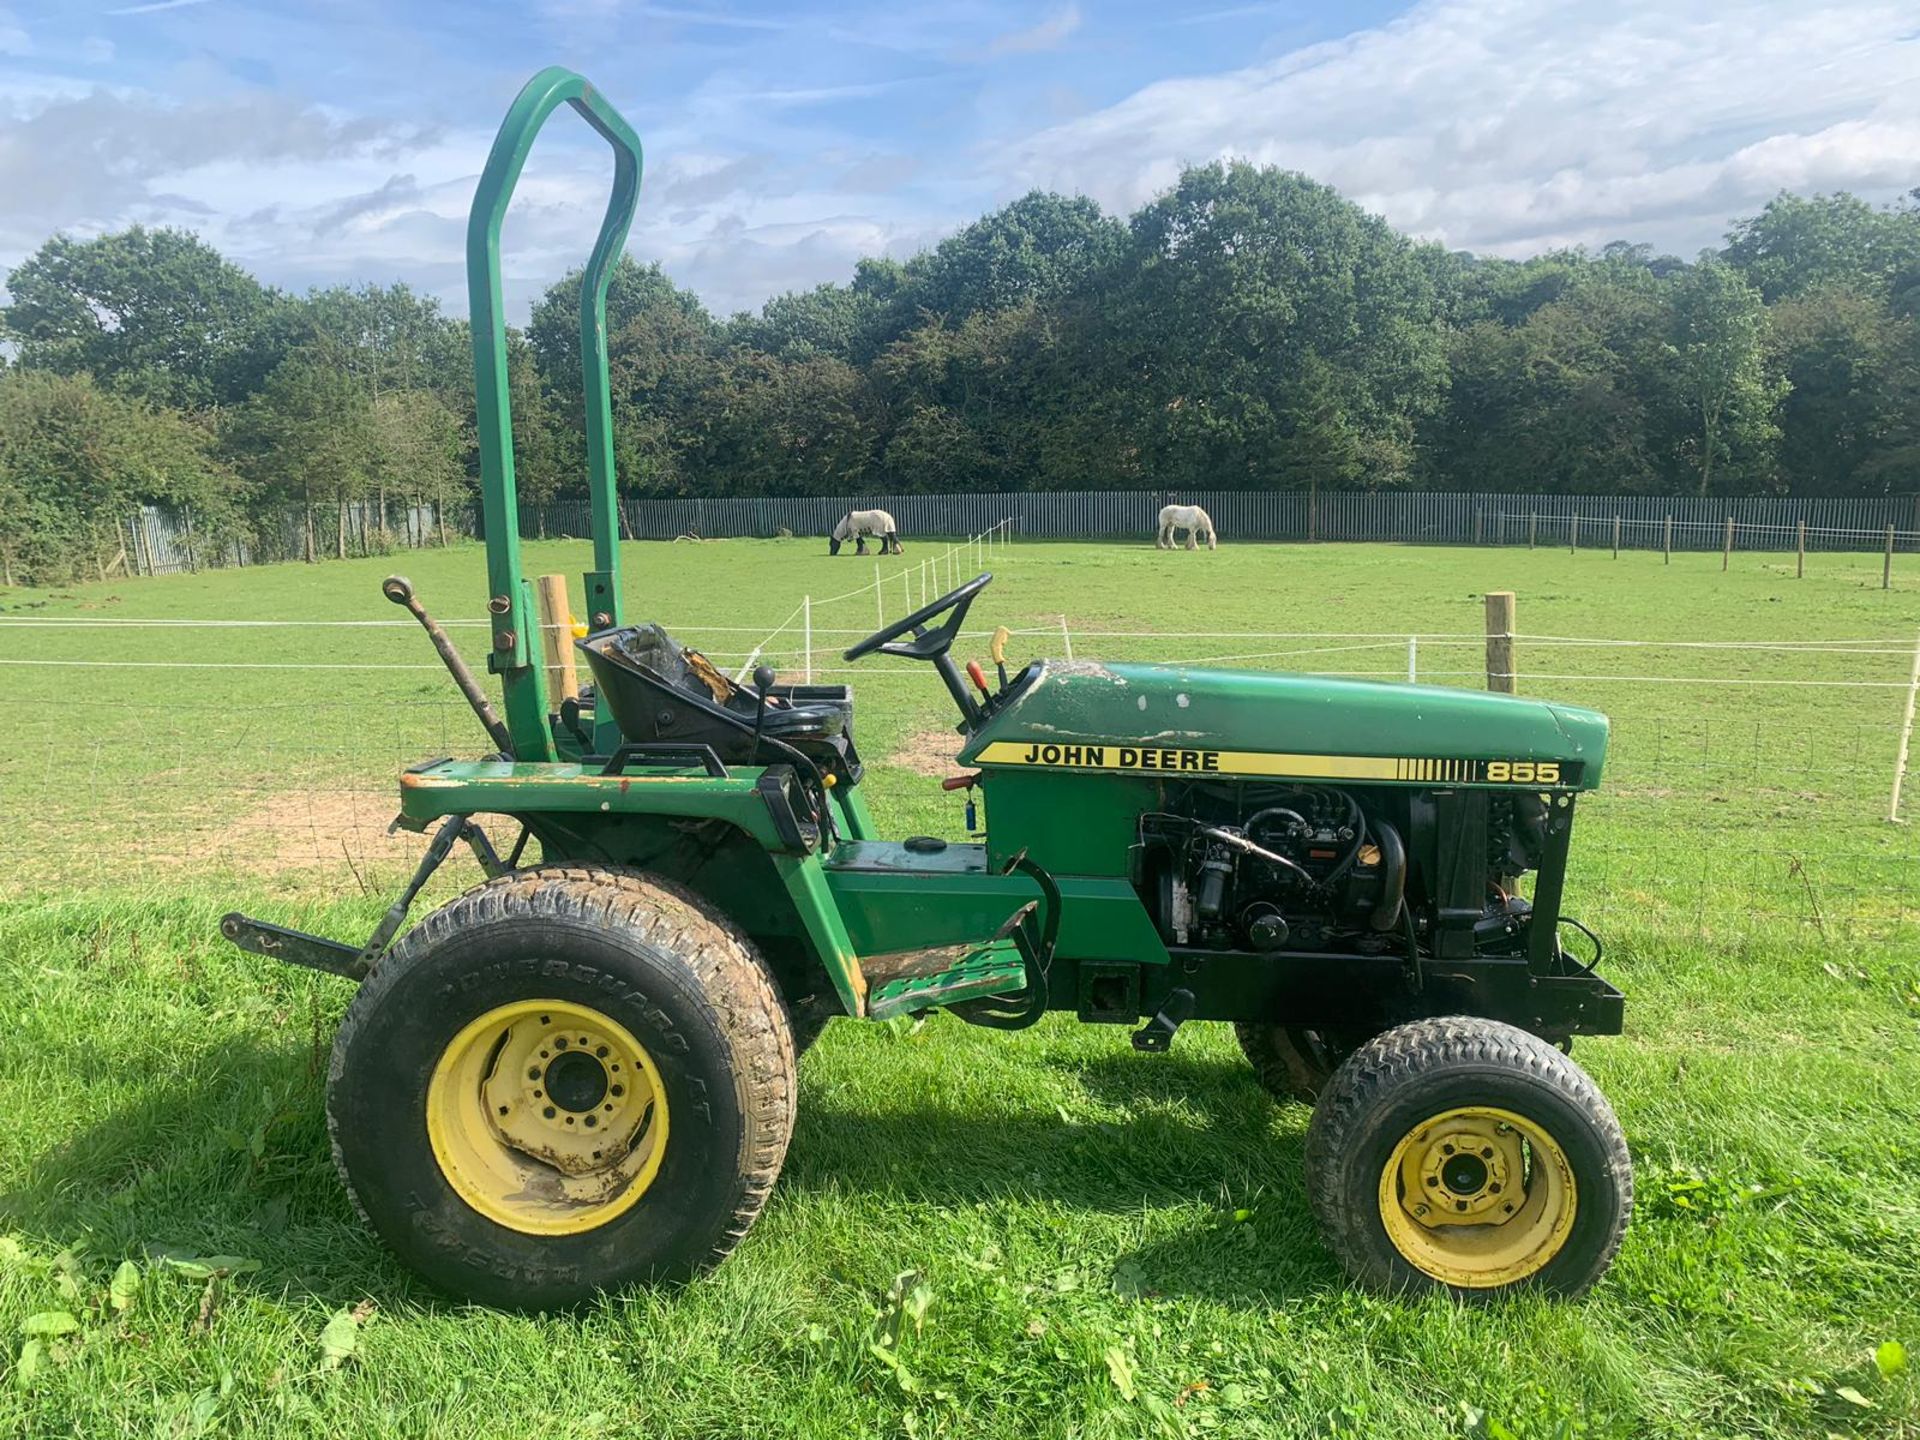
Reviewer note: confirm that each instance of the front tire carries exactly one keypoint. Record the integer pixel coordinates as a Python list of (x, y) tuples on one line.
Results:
[(1468, 1155), (566, 1081)]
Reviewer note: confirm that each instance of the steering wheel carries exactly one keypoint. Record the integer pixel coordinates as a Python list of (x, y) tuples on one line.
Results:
[(928, 644)]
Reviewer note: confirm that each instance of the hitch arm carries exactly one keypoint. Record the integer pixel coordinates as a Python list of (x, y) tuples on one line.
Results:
[(351, 962)]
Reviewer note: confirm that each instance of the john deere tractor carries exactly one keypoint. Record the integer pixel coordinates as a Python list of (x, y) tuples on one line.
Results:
[(580, 1074)]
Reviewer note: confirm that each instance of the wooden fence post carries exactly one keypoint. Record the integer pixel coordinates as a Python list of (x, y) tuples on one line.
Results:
[(1616, 537), (1800, 551), (1726, 548), (556, 639), (1573, 539), (1500, 641), (1499, 527), (1533, 528), (1477, 515), (1886, 567), (1666, 544)]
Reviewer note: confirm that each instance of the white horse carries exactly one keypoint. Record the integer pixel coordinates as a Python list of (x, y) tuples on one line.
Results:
[(1190, 518), (857, 525)]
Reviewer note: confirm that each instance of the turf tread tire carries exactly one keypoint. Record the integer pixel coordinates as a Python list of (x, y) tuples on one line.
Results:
[(721, 961), (1345, 1147)]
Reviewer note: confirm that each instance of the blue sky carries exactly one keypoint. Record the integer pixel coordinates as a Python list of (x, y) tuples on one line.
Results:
[(337, 140)]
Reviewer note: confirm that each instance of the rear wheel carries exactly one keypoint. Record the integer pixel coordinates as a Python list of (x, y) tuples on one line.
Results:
[(565, 1081), (1293, 1063), (1470, 1155)]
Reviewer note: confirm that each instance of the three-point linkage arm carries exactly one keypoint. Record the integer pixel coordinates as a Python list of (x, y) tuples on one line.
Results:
[(514, 650)]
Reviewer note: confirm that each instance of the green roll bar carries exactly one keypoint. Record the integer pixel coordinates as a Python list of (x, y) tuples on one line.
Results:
[(512, 615)]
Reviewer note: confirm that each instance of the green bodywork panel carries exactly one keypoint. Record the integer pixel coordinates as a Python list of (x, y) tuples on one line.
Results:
[(894, 900), (1158, 711)]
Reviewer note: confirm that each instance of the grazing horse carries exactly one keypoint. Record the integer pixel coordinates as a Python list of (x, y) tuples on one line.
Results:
[(857, 525), (1190, 518)]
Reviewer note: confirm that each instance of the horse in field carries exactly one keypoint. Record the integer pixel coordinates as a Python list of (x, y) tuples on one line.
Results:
[(1190, 518), (857, 525)]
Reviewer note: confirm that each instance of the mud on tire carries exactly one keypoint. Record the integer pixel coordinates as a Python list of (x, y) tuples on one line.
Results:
[(648, 957)]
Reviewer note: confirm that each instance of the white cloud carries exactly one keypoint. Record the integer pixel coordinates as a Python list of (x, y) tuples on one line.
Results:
[(153, 7), (1506, 126), (1050, 34)]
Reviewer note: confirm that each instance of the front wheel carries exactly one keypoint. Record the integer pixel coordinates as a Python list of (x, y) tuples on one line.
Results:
[(1468, 1155), (565, 1081)]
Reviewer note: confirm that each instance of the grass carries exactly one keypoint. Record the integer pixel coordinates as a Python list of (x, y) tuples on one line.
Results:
[(1092, 1242)]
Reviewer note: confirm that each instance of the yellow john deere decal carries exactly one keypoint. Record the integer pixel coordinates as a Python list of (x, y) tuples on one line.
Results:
[(1160, 758)]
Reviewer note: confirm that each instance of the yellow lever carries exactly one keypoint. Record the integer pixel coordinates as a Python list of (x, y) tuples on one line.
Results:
[(997, 647)]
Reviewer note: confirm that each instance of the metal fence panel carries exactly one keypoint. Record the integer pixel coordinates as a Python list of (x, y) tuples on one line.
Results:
[(158, 541)]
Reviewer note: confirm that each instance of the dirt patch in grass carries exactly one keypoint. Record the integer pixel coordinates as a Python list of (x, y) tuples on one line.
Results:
[(304, 829), (929, 752)]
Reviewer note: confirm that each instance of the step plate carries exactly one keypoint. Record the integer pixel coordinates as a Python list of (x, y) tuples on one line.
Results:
[(995, 969)]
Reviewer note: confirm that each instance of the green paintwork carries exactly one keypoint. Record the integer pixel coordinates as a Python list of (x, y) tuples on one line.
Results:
[(886, 894), (1248, 710), (470, 787), (512, 613), (1070, 823), (806, 886)]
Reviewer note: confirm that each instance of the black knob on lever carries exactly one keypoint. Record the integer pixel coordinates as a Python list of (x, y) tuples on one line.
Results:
[(763, 678)]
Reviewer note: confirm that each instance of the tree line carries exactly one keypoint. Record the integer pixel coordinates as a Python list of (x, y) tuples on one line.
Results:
[(1248, 329)]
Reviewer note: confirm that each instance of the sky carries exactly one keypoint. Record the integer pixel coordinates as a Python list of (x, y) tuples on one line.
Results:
[(337, 141)]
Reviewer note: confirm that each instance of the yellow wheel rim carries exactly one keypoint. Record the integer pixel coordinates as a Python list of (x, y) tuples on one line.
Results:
[(547, 1117), (1478, 1197)]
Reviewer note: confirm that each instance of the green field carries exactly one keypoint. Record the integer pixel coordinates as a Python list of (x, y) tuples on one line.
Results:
[(1104, 1243)]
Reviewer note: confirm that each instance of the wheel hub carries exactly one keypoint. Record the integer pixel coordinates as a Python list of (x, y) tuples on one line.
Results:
[(576, 1080), (1477, 1197), (546, 1116)]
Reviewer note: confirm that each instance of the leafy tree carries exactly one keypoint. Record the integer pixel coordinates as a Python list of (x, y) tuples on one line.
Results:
[(633, 291), (1804, 242), (75, 461), (156, 313), (306, 439), (829, 320), (1253, 307), (1722, 371)]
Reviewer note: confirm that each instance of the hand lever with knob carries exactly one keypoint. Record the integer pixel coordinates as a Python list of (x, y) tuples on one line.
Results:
[(763, 678)]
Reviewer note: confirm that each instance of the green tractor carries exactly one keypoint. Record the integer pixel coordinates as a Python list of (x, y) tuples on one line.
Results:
[(580, 1074)]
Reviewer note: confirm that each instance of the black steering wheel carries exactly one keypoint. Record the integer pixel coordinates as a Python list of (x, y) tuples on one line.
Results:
[(926, 644), (932, 644)]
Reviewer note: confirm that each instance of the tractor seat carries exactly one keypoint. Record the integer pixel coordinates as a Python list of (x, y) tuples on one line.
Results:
[(787, 721)]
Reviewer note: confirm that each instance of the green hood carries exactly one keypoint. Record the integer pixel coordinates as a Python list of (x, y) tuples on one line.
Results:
[(1081, 715)]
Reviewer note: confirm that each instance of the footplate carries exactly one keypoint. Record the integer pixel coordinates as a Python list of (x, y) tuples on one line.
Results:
[(995, 969)]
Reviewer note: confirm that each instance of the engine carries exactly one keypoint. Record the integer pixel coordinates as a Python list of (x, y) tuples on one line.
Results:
[(1359, 871)]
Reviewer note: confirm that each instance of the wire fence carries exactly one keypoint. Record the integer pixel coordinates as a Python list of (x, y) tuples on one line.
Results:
[(158, 541), (1745, 799)]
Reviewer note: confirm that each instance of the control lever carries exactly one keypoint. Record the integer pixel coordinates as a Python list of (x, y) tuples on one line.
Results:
[(997, 649), (763, 678), (399, 590), (979, 677)]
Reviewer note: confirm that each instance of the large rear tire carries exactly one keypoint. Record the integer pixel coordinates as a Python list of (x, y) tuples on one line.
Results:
[(566, 1081), (1468, 1155)]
